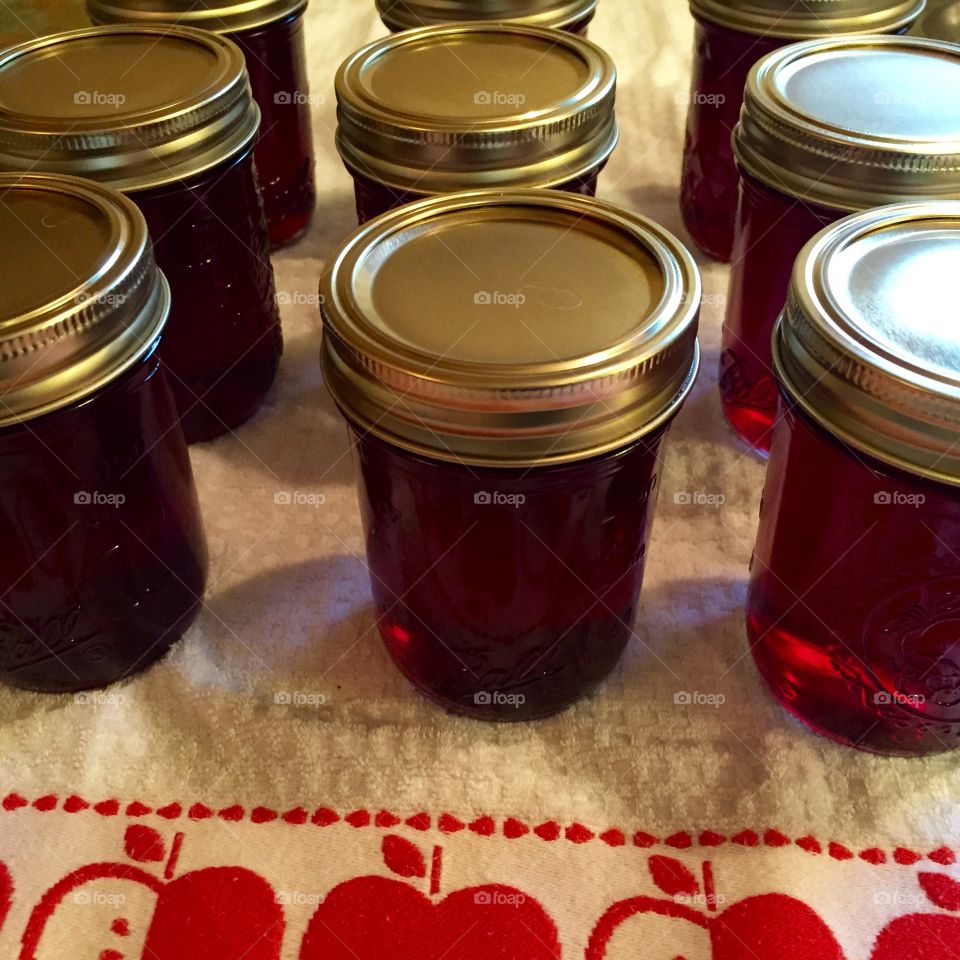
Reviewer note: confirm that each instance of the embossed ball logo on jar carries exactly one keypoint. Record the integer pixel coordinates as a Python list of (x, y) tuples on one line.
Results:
[(912, 650)]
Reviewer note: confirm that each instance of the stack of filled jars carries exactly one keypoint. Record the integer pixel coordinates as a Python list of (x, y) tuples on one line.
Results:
[(149, 164), (507, 350), (840, 158)]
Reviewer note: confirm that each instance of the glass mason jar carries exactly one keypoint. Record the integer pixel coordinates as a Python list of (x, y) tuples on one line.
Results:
[(854, 599), (104, 561), (828, 127), (165, 114), (574, 16), (270, 34), (730, 36), (508, 388), (449, 108)]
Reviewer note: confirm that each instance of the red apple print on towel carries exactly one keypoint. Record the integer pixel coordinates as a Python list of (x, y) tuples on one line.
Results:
[(215, 913), (375, 918), (6, 892), (770, 926), (924, 936)]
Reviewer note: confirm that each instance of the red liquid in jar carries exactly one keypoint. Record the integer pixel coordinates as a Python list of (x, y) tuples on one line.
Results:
[(94, 588), (276, 62), (772, 228), (222, 343), (374, 198), (708, 194), (506, 594), (853, 611)]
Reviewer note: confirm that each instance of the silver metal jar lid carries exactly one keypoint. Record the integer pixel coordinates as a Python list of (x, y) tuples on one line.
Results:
[(853, 123), (869, 344)]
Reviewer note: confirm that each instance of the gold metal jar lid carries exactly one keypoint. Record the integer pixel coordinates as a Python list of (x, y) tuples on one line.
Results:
[(868, 343), (854, 122), (805, 19), (476, 105), (940, 21), (226, 16), (81, 299), (510, 328), (132, 107), (408, 14)]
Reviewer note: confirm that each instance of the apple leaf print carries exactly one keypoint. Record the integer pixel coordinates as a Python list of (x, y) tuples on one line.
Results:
[(672, 877), (143, 844), (402, 857), (942, 890)]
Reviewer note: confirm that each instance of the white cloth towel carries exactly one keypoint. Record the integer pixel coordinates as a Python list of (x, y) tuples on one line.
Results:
[(281, 697)]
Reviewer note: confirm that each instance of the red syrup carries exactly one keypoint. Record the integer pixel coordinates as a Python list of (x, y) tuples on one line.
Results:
[(222, 344), (374, 198), (772, 228), (506, 594), (276, 62), (854, 619), (104, 559), (722, 59)]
